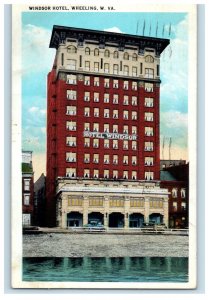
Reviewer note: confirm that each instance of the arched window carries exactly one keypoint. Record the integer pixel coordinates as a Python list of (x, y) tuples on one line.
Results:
[(174, 192), (149, 59), (96, 52), (107, 53), (87, 51), (183, 193), (134, 57), (71, 49), (115, 54), (126, 56)]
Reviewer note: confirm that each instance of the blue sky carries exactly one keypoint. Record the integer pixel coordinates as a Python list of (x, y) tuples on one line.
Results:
[(37, 60)]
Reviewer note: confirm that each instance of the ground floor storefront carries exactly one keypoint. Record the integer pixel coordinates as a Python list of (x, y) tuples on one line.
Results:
[(115, 206)]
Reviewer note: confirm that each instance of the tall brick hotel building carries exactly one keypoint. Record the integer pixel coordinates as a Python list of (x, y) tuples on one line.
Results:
[(103, 150)]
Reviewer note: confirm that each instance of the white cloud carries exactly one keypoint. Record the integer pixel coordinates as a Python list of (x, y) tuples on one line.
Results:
[(174, 120), (43, 130), (36, 55), (113, 29), (33, 109), (43, 111)]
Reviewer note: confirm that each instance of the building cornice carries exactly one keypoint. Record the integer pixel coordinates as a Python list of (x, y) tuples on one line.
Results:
[(61, 33)]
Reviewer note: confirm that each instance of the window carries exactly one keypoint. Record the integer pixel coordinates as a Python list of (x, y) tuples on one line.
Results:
[(115, 54), (106, 159), (115, 114), (26, 219), (71, 110), (71, 172), (71, 79), (86, 111), (87, 65), (149, 175), (148, 146), (115, 69), (96, 158), (149, 73), (149, 102), (148, 116), (116, 202), (26, 184), (96, 52), (126, 56), (86, 126), (96, 81), (174, 193), (106, 68), (115, 174), (71, 95), (134, 100), (96, 126), (125, 159), (87, 142), (96, 97), (149, 87), (96, 112), (87, 80), (26, 199), (106, 113), (96, 143), (96, 66), (125, 114), (106, 128), (149, 161), (134, 71), (174, 206), (106, 82), (86, 173), (125, 174), (134, 115), (134, 57), (134, 130), (115, 99), (183, 206), (141, 68), (106, 174), (125, 129), (96, 173), (115, 128), (125, 85), (106, 98), (134, 146), (87, 96), (87, 51), (115, 159), (133, 160), (183, 193), (71, 64), (107, 53), (126, 70), (62, 59), (86, 158), (125, 145), (148, 131), (134, 175), (70, 157), (71, 141), (149, 59), (156, 203), (115, 83), (134, 85), (137, 202), (106, 144), (125, 100), (115, 144), (96, 201), (70, 125), (77, 201), (71, 49)]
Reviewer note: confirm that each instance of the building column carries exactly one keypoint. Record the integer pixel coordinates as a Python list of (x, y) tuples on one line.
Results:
[(126, 212), (85, 210), (165, 211), (64, 206), (106, 211), (146, 209)]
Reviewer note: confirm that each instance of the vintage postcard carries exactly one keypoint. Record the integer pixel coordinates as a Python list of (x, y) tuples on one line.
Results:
[(104, 146)]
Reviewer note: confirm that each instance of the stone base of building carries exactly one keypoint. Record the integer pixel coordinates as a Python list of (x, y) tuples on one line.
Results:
[(110, 203)]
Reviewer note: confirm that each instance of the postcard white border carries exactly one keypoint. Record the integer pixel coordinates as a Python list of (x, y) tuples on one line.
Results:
[(16, 153)]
